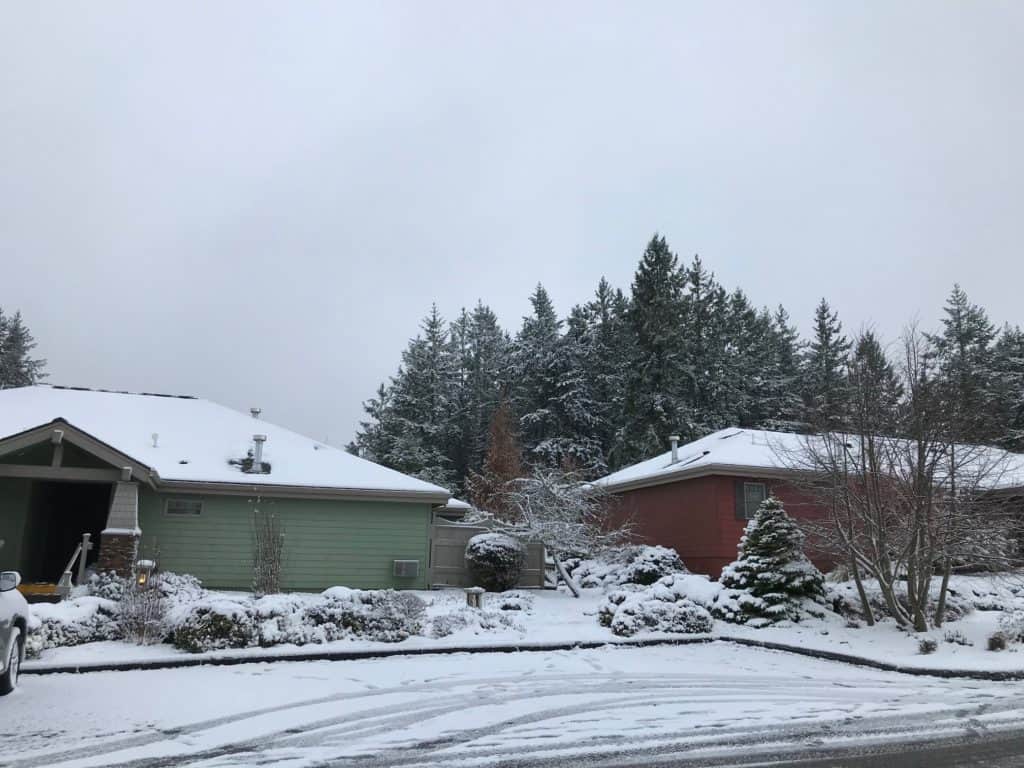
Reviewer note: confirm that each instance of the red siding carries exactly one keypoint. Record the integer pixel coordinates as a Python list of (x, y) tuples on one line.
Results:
[(697, 518)]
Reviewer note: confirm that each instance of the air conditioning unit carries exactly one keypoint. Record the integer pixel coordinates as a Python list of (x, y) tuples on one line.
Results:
[(407, 569)]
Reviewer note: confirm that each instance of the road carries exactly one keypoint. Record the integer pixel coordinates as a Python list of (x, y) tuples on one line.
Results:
[(683, 706)]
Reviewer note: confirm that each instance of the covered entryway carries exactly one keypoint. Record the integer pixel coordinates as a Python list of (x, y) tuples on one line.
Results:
[(58, 514)]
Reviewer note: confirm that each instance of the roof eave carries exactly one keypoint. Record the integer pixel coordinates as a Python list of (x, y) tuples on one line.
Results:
[(690, 473), (300, 491)]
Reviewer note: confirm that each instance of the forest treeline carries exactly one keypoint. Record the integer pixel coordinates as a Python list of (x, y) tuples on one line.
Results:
[(678, 354)]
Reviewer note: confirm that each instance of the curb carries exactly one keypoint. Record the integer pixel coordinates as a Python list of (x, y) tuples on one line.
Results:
[(220, 661)]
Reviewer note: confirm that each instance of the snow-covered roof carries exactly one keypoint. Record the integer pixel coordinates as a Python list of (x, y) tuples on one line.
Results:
[(728, 448), (759, 452), (193, 440), (458, 504)]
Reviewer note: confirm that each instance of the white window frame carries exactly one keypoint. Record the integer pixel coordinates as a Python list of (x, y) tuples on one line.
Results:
[(197, 513), (747, 512)]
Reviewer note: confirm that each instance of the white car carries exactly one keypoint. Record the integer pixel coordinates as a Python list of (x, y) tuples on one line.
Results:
[(13, 630)]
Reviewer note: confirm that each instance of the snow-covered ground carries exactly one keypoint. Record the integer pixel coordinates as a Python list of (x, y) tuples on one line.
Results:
[(699, 701), (556, 617)]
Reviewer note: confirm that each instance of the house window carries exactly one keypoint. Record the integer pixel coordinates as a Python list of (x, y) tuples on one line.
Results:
[(183, 507), (753, 495)]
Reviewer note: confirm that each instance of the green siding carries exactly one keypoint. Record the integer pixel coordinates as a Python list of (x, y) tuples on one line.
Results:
[(15, 496), (327, 543)]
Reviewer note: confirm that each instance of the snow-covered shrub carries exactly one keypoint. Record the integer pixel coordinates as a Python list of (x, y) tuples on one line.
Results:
[(672, 604), (515, 601), (927, 645), (956, 637), (495, 561), (215, 625), (771, 580), (464, 619), (844, 599), (1011, 625), (997, 641), (635, 564), (73, 622), (281, 620), (383, 615), (107, 585)]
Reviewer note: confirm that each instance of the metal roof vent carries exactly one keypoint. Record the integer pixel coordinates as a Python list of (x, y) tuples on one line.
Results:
[(674, 440), (255, 412), (257, 454)]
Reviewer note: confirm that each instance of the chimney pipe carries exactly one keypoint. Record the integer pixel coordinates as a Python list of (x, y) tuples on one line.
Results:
[(257, 454), (674, 439), (255, 412)]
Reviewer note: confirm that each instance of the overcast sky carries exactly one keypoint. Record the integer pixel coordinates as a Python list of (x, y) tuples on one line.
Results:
[(257, 203)]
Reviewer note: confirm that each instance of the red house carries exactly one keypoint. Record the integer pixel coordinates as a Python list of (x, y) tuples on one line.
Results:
[(698, 497)]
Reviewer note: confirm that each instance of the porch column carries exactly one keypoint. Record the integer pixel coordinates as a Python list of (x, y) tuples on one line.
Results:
[(119, 541)]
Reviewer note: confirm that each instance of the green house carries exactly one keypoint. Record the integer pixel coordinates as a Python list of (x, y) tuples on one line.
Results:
[(186, 482)]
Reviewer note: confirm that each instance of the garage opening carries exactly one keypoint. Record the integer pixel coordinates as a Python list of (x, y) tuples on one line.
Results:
[(59, 513)]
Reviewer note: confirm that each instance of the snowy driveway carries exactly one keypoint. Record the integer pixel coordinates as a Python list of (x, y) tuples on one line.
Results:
[(699, 703)]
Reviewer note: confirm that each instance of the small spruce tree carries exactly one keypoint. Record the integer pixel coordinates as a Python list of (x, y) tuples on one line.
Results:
[(772, 577)]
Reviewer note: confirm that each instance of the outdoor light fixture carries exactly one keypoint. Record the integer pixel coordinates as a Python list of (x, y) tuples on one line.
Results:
[(143, 573)]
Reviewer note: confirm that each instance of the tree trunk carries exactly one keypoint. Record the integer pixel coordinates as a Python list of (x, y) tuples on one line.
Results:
[(869, 616), (940, 609)]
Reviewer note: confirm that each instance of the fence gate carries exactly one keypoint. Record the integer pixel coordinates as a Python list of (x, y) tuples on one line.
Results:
[(448, 557)]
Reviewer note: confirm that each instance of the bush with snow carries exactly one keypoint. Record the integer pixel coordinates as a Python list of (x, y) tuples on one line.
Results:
[(672, 604), (771, 580), (473, 621), (845, 600), (81, 620), (215, 625), (495, 561), (637, 564)]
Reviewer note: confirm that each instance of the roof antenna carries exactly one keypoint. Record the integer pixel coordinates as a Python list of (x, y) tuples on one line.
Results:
[(156, 439)]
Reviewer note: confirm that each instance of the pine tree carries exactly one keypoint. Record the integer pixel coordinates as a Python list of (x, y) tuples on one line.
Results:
[(17, 368), (781, 406), (824, 372), (1008, 371), (706, 384), (481, 351), (535, 363), (964, 354), (773, 579), (655, 407), (875, 391)]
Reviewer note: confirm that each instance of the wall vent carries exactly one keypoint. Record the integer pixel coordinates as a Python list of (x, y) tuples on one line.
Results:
[(407, 569)]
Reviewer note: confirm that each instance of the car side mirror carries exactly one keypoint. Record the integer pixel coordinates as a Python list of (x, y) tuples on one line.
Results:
[(9, 580)]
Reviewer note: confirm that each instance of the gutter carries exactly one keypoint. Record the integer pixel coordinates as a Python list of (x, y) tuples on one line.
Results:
[(689, 473)]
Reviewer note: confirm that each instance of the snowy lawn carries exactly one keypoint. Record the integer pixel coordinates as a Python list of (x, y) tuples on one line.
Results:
[(697, 701)]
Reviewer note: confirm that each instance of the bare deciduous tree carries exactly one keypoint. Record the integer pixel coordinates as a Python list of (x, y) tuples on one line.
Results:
[(906, 498)]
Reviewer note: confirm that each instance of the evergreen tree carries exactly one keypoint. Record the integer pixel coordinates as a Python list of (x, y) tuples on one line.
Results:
[(502, 463), (773, 579), (782, 407), (481, 350), (17, 368), (964, 354), (706, 383), (655, 407), (537, 375), (824, 372), (1008, 370), (875, 391)]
